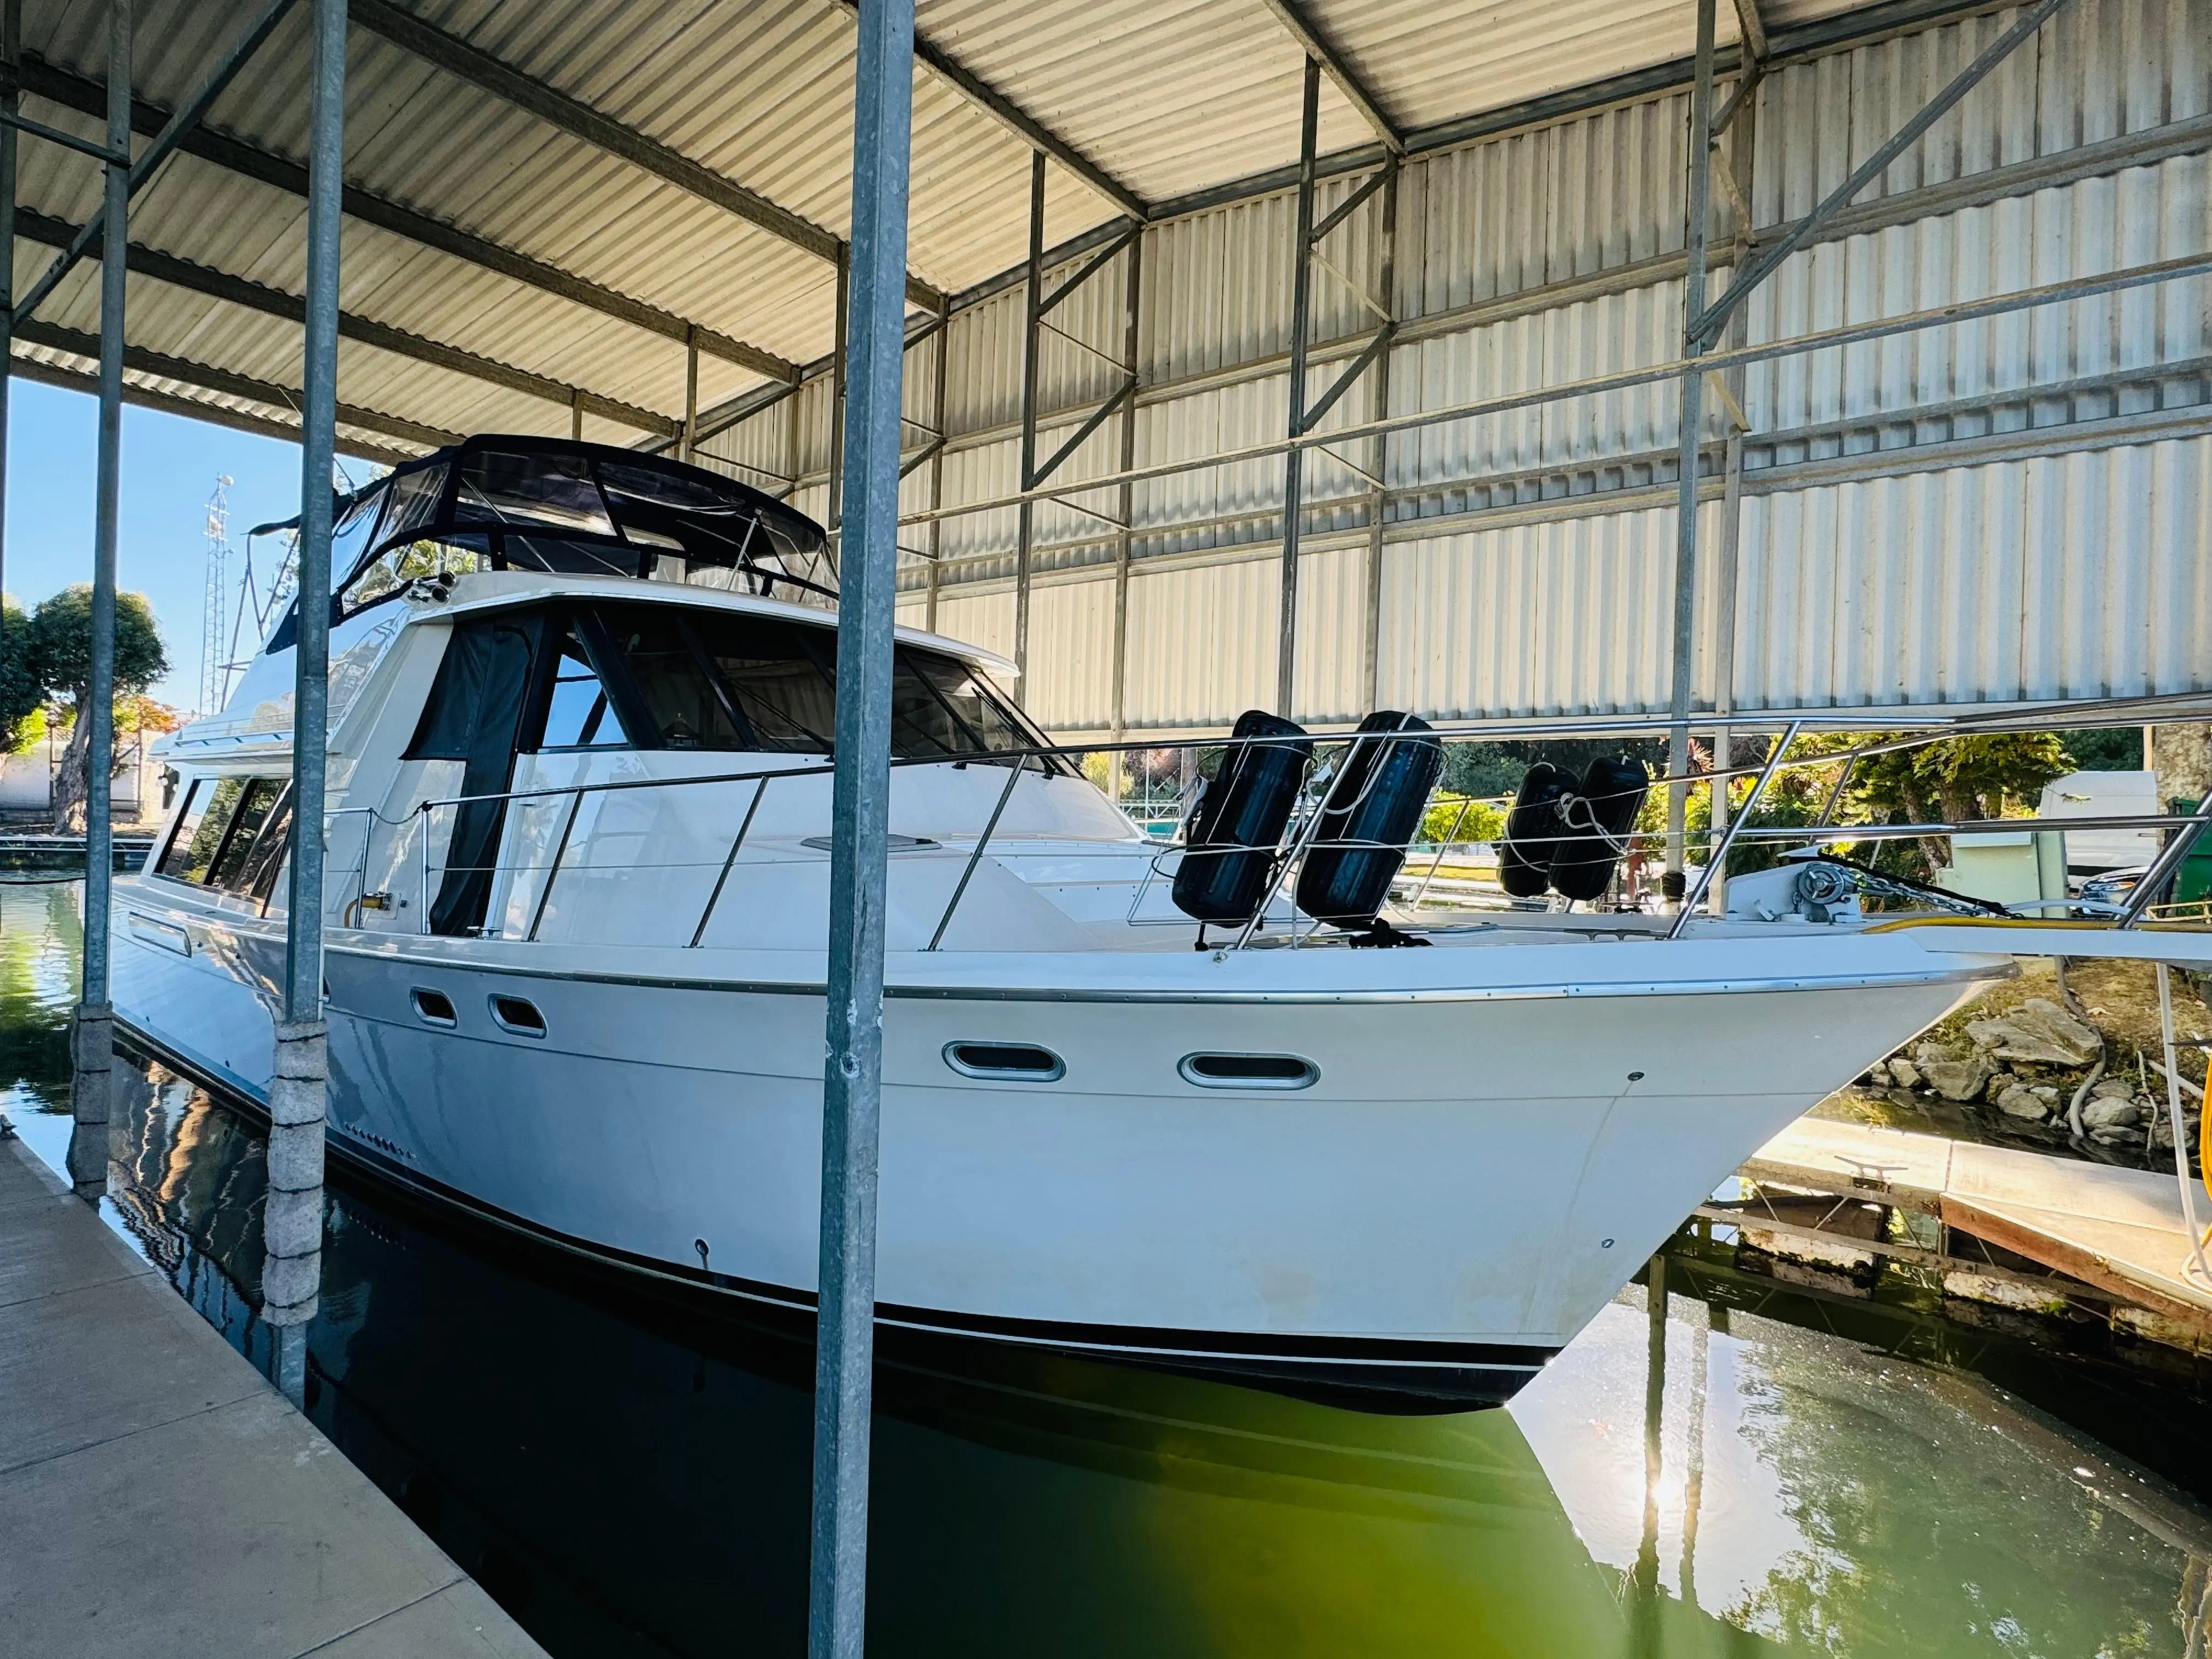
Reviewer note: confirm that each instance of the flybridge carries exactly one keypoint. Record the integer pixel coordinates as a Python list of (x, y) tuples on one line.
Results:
[(506, 502)]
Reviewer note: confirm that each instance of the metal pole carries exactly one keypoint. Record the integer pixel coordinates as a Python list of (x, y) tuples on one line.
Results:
[(833, 505), (1286, 643), (1133, 300), (11, 47), (1722, 848), (576, 417), (689, 439), (1724, 603), (1741, 131), (937, 459), (1025, 518), (292, 1222), (91, 1038), (1379, 499), (859, 833), (1691, 424), (2168, 861)]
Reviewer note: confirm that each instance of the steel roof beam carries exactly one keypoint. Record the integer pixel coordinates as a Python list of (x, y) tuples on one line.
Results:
[(1755, 29), (70, 379), (603, 132), (1706, 326), (73, 91), (208, 378), (1024, 126), (143, 261), (187, 117), (1291, 14)]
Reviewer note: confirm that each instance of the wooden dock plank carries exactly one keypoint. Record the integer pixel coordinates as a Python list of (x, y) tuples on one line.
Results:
[(2122, 1230)]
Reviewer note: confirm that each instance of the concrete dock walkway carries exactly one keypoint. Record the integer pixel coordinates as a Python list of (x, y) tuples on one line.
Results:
[(157, 1496)]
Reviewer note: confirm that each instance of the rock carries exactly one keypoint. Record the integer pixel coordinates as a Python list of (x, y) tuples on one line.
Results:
[(2116, 1137), (2040, 1032), (1952, 1075), (2111, 1088), (2111, 1112), (1904, 1073), (2021, 1102)]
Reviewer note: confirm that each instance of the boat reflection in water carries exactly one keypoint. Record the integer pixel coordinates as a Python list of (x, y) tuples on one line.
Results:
[(630, 1479)]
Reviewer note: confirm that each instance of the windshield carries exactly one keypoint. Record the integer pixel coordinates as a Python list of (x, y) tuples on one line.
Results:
[(612, 675)]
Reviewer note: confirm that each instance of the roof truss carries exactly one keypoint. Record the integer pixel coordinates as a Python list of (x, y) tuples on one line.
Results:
[(89, 97), (602, 131)]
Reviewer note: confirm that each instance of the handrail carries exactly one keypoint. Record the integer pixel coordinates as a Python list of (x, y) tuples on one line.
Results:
[(1306, 839), (738, 841), (1697, 895), (1014, 776), (2168, 861), (545, 893)]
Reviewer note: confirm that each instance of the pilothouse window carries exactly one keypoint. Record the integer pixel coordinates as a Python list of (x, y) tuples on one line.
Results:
[(231, 836), (577, 713)]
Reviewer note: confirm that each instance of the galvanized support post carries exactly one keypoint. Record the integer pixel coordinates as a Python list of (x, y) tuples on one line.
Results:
[(937, 458), (1132, 301), (292, 1222), (835, 501), (1740, 131), (688, 442), (1025, 515), (1378, 497), (1690, 437), (858, 836), (11, 48), (1287, 618), (93, 1032), (576, 416)]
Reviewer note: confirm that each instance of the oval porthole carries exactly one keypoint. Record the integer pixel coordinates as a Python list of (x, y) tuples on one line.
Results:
[(1007, 1062), (513, 1014), (432, 1007), (1249, 1071)]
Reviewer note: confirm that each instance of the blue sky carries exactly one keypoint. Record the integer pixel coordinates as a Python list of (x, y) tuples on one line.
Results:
[(169, 468)]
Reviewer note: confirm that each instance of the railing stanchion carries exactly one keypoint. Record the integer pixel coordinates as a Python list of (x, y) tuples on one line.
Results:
[(715, 898), (423, 897), (1697, 894), (2168, 861), (1437, 863), (976, 857), (545, 893)]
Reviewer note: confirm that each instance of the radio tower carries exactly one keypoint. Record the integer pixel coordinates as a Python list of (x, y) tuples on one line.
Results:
[(215, 677)]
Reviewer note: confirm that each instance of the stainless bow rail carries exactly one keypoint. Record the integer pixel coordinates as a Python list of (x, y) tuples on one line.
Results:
[(1301, 839)]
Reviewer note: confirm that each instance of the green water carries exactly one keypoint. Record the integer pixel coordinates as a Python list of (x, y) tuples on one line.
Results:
[(631, 1478)]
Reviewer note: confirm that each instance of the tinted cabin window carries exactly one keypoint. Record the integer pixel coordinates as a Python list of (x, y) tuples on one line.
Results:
[(709, 680), (199, 832), (231, 836), (689, 704), (246, 827), (256, 875), (577, 715)]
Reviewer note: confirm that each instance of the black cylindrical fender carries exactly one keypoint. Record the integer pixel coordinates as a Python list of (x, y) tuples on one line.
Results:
[(1230, 845), (1373, 808), (1597, 817), (1532, 831)]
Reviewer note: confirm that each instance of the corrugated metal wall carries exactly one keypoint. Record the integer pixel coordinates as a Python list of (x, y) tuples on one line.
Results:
[(2017, 507)]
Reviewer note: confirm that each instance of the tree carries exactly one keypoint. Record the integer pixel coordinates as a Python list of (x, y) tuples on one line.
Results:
[(21, 694), (58, 646)]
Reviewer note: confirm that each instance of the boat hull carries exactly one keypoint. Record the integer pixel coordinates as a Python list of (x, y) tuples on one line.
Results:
[(1466, 1182)]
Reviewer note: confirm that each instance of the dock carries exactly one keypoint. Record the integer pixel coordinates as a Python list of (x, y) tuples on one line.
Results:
[(159, 1495), (2121, 1231)]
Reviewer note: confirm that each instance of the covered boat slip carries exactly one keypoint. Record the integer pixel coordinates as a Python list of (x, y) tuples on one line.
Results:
[(1951, 449), (1699, 362)]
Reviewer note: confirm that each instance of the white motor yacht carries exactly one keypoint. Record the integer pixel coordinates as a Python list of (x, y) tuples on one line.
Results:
[(579, 802)]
